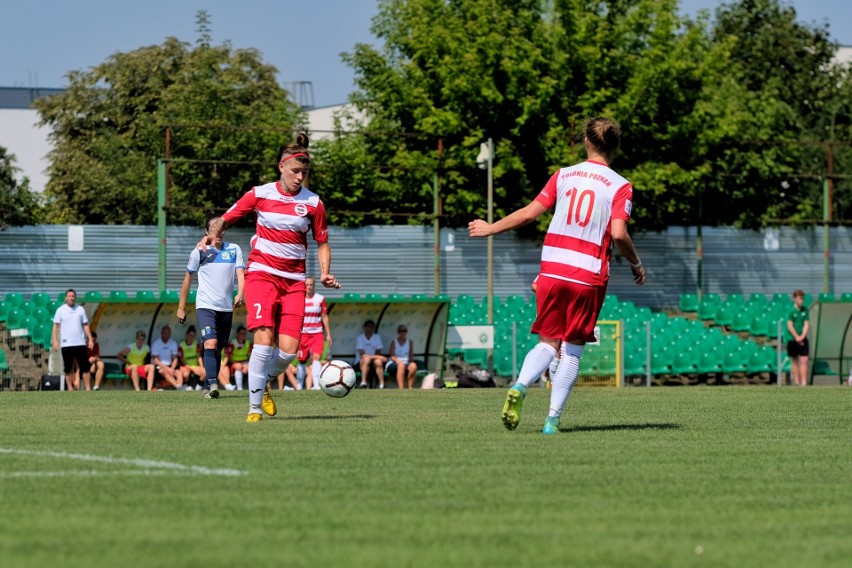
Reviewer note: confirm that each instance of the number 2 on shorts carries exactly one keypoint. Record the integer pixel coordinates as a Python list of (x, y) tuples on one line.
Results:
[(259, 307)]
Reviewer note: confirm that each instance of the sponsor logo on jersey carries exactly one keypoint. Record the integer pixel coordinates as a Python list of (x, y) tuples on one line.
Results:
[(301, 209), (628, 206)]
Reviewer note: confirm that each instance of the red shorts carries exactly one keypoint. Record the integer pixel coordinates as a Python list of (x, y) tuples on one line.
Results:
[(233, 364), (311, 344), (272, 301), (567, 310), (142, 371)]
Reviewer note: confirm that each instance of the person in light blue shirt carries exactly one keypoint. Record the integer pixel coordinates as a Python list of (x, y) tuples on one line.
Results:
[(217, 266)]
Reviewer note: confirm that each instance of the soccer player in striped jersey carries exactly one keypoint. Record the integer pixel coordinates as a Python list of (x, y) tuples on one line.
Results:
[(592, 205), (275, 275), (316, 330)]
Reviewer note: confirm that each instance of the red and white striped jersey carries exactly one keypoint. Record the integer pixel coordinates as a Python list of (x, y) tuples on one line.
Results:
[(587, 197), (283, 221), (314, 308)]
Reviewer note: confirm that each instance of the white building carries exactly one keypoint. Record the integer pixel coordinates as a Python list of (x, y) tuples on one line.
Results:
[(22, 136)]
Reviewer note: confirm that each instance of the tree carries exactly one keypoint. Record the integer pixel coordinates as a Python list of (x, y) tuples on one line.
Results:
[(707, 108), (109, 130), (18, 205)]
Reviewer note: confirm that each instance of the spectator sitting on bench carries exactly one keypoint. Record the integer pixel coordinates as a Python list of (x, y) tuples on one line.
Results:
[(236, 360), (96, 364), (190, 353), (401, 351), (164, 356), (368, 348), (134, 356)]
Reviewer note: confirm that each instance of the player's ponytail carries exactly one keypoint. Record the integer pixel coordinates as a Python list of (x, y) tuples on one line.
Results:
[(604, 135), (297, 150)]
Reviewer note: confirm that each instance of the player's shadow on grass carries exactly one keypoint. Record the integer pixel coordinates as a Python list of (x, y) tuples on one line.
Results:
[(617, 427), (333, 417)]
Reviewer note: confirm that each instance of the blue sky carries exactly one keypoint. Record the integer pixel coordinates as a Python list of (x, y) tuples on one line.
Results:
[(44, 39)]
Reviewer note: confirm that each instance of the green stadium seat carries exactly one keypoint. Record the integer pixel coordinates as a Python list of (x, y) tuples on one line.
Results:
[(146, 295), (118, 296), (351, 296), (762, 360), (735, 362), (661, 361), (170, 296), (688, 302), (757, 299), (15, 299), (634, 364), (846, 297), (190, 298), (375, 297), (4, 364), (40, 299), (684, 363), (742, 320), (709, 361), (825, 297), (713, 298), (93, 296), (707, 310), (780, 297), (761, 325), (396, 296), (809, 299), (726, 312), (14, 318), (735, 299)]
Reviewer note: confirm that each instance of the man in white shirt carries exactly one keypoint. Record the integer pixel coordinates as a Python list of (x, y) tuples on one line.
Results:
[(71, 333), (164, 356), (368, 348)]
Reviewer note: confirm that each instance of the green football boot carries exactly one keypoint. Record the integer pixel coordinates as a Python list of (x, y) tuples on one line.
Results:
[(512, 406), (551, 425)]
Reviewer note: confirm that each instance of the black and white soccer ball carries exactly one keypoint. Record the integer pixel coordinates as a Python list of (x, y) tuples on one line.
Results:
[(337, 378)]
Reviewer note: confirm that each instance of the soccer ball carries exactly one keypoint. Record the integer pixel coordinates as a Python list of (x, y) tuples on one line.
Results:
[(337, 378)]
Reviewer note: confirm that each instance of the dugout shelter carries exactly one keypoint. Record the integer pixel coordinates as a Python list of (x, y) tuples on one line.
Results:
[(116, 318)]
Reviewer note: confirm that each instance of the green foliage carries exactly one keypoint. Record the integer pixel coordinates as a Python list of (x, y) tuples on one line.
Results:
[(18, 205), (716, 109), (109, 129)]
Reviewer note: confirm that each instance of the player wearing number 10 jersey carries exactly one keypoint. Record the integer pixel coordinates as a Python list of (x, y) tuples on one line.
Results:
[(592, 205)]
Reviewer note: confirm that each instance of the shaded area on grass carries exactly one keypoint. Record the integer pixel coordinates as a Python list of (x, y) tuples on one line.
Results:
[(617, 427)]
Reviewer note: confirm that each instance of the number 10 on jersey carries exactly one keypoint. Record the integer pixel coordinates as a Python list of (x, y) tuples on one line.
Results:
[(580, 204)]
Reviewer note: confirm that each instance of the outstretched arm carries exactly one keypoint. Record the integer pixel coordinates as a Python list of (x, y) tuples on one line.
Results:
[(519, 218)]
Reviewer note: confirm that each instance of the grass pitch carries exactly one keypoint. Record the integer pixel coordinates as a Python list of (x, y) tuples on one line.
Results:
[(724, 476)]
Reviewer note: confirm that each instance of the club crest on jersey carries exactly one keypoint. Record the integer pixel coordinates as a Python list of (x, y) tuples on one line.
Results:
[(301, 209), (226, 255)]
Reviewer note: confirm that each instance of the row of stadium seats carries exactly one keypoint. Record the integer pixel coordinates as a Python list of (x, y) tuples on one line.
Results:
[(679, 345)]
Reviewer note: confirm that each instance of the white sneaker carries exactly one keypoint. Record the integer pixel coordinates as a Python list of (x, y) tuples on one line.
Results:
[(187, 387), (315, 388), (230, 387), (288, 388), (197, 387)]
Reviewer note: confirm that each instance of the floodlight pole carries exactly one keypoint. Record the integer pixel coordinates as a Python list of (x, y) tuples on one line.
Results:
[(161, 224), (490, 237)]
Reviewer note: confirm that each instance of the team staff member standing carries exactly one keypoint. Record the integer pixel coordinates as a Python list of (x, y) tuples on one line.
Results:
[(71, 333), (592, 206), (797, 347), (217, 264), (275, 275)]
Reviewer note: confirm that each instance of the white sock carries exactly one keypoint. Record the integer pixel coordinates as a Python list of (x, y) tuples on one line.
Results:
[(316, 369), (278, 362), (238, 380), (535, 363), (258, 363), (300, 373), (565, 377)]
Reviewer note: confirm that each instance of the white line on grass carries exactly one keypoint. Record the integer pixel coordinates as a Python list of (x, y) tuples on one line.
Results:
[(160, 465)]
